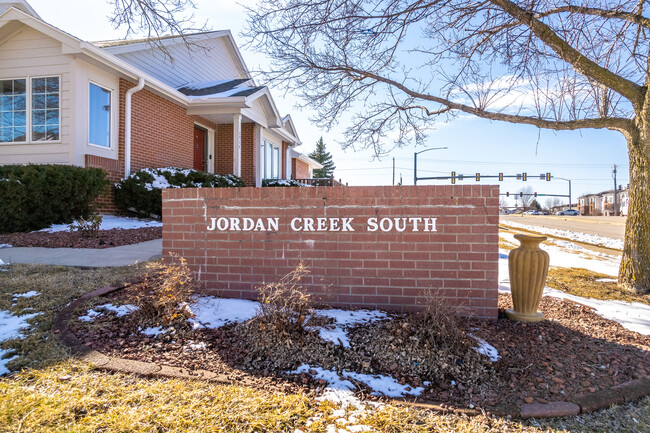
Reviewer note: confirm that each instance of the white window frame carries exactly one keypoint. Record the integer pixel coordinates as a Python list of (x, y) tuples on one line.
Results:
[(265, 155), (111, 118), (28, 109)]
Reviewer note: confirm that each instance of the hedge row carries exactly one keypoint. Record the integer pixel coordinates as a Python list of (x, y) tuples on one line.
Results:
[(33, 197), (141, 192)]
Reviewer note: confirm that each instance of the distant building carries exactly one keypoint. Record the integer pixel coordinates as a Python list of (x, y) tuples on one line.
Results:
[(602, 203)]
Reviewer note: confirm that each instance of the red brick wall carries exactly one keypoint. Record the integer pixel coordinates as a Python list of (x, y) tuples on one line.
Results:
[(249, 149), (378, 269), (224, 149), (299, 169), (162, 134), (104, 203)]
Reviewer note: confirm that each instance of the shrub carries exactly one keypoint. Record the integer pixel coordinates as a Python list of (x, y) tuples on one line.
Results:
[(141, 192), (281, 182), (164, 296), (33, 197), (89, 228), (285, 305)]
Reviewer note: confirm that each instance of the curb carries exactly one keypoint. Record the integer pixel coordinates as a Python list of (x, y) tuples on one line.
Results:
[(580, 404)]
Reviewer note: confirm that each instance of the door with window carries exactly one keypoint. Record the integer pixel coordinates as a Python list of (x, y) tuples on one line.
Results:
[(199, 148)]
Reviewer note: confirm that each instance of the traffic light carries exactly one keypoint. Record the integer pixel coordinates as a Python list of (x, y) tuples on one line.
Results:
[(478, 176), (453, 177), (548, 177), (508, 194), (500, 177), (535, 194), (461, 177), (524, 176), (521, 194)]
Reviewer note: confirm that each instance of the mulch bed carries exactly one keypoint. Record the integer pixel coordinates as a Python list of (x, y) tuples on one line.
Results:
[(65, 239), (574, 352)]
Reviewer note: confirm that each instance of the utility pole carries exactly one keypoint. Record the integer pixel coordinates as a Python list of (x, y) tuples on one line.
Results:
[(393, 171), (615, 201)]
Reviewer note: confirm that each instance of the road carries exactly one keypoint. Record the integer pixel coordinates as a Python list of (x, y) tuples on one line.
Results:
[(608, 227)]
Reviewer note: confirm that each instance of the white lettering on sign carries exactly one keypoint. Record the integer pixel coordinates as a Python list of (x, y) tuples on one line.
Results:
[(322, 224)]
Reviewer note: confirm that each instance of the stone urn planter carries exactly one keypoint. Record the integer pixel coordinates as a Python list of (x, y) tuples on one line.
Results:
[(528, 266)]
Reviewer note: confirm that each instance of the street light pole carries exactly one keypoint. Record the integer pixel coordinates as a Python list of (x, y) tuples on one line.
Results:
[(415, 162), (568, 180)]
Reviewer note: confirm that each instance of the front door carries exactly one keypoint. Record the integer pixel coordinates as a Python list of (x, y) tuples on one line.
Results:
[(199, 149)]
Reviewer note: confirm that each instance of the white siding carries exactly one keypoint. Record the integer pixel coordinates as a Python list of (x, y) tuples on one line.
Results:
[(30, 53), (84, 75), (212, 56)]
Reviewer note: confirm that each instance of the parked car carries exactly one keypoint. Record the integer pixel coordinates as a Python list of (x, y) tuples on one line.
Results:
[(533, 212), (569, 212)]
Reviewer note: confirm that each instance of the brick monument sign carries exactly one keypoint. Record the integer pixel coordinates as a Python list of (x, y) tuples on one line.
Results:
[(371, 247)]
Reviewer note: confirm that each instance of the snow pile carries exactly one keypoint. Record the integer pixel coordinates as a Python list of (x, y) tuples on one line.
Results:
[(5, 246), (341, 390), (120, 311), (568, 234), (195, 346), (10, 328), (110, 222), (337, 332), (212, 313)]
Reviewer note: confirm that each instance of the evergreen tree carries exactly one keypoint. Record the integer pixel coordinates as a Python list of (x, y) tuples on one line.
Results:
[(323, 156)]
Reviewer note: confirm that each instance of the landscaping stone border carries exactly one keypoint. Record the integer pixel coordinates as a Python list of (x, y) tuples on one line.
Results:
[(584, 403)]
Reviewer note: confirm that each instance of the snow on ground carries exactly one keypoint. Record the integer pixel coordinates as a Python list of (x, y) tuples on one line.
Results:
[(568, 234), (214, 312), (111, 222), (120, 311), (340, 390), (486, 349), (633, 316), (153, 331), (574, 256), (337, 332), (10, 328), (5, 246), (29, 294)]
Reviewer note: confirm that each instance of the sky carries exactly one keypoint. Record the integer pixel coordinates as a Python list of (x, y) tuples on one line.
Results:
[(473, 145)]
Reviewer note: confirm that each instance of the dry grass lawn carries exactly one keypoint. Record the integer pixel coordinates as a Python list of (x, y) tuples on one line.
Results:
[(54, 394)]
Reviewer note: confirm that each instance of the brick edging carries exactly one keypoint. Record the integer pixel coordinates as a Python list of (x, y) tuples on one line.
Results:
[(581, 404)]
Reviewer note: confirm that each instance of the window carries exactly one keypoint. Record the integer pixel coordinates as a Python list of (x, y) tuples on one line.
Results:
[(271, 160), (40, 99), (99, 115), (13, 111)]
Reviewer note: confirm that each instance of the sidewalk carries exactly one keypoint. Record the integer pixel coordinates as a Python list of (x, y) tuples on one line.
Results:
[(85, 257)]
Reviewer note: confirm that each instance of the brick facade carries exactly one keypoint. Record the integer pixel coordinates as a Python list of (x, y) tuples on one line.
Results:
[(360, 268), (162, 135), (299, 169)]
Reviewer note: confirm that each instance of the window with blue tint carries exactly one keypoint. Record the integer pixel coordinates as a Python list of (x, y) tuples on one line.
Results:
[(46, 110), (13, 111), (99, 126)]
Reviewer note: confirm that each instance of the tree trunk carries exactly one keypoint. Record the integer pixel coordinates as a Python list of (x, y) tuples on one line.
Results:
[(634, 273)]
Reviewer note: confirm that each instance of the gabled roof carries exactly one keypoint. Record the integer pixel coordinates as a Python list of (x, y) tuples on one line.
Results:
[(198, 96), (307, 160), (132, 46), (18, 4)]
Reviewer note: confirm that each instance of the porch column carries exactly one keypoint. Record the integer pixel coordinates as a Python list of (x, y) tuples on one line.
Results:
[(287, 162), (236, 163), (259, 167)]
